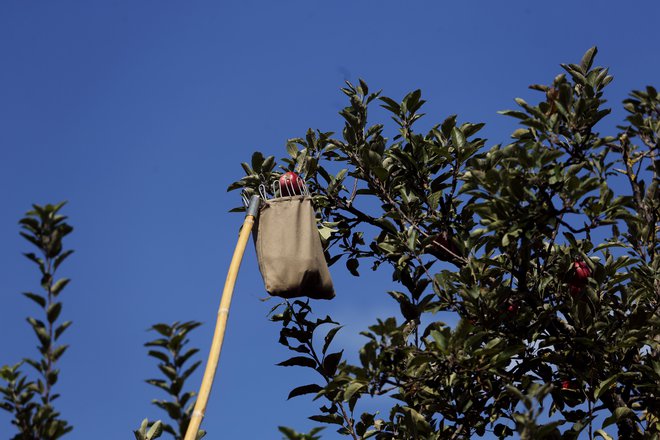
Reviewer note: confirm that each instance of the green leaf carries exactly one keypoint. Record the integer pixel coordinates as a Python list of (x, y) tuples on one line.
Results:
[(168, 371), (39, 261), (53, 311), (292, 149), (458, 138), (519, 133), (31, 239), (36, 298), (331, 362), (159, 383), (620, 413), (352, 389), (328, 418), (159, 355), (329, 337), (386, 224), (300, 361), (157, 343), (268, 165), (352, 265), (257, 160), (412, 239), (605, 385), (59, 351), (325, 232), (40, 330), (603, 434), (434, 200), (163, 329), (588, 59), (59, 330), (418, 418), (391, 105), (440, 340), (514, 114), (59, 285), (623, 412), (60, 258), (246, 168), (290, 434), (187, 355), (305, 389), (155, 431)]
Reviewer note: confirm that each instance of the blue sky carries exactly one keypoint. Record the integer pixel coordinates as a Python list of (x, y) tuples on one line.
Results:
[(139, 113)]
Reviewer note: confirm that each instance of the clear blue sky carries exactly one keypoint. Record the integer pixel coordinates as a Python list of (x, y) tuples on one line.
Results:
[(139, 113)]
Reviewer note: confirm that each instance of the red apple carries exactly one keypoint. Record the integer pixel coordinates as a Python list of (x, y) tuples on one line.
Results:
[(512, 308), (442, 247), (566, 384), (580, 277), (290, 184), (575, 289), (582, 272)]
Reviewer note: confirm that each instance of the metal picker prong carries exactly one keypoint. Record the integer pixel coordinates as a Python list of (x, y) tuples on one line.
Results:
[(303, 187), (246, 198), (290, 189), (263, 192)]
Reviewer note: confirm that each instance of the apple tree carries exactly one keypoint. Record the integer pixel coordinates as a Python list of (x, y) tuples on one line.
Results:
[(545, 249)]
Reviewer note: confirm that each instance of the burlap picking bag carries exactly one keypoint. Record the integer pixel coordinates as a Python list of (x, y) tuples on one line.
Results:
[(289, 249)]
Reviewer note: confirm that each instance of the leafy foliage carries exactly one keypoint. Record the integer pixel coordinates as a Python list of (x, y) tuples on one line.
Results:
[(31, 401), (148, 431), (551, 267), (169, 350), (291, 434)]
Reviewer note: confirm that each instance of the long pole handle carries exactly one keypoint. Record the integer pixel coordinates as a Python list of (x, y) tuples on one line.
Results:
[(221, 322)]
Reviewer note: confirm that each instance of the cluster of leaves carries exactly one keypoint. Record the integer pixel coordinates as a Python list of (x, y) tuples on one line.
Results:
[(292, 434), (170, 351), (492, 235), (149, 431), (29, 400), (297, 335)]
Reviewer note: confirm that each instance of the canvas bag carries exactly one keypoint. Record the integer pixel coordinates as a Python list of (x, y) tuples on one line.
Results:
[(289, 249)]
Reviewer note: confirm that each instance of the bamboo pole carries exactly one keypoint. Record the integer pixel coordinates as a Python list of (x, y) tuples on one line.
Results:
[(221, 322)]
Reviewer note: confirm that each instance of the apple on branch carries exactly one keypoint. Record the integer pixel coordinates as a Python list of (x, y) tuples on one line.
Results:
[(580, 277), (443, 247), (582, 272)]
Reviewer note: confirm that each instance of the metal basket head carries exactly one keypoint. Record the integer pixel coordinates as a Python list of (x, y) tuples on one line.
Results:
[(290, 188), (278, 190)]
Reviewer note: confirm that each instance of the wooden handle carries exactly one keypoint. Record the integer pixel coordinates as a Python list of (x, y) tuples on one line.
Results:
[(220, 326)]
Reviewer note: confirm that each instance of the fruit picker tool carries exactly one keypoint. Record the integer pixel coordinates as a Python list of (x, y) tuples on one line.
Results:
[(223, 312), (290, 257)]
